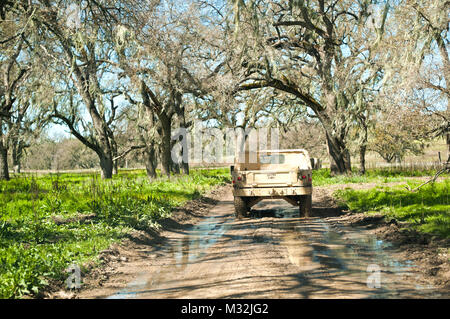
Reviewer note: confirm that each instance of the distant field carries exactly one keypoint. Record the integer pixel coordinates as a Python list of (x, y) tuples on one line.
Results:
[(427, 160), (322, 177)]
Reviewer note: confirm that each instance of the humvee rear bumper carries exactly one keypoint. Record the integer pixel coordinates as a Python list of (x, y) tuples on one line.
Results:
[(272, 191)]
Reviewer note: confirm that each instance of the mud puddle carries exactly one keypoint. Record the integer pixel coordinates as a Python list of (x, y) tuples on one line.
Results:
[(275, 254), (352, 256), (191, 246), (197, 240), (343, 256)]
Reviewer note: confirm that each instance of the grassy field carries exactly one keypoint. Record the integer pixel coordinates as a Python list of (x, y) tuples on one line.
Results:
[(322, 177), (51, 221), (427, 209)]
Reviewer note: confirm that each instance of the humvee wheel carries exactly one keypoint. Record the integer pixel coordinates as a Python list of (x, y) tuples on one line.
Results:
[(305, 205), (240, 207)]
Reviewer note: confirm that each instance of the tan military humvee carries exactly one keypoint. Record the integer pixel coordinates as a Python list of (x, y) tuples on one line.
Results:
[(284, 174)]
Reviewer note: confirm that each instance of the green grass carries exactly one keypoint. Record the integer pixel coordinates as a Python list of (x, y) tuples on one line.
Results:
[(427, 210), (322, 177), (35, 250)]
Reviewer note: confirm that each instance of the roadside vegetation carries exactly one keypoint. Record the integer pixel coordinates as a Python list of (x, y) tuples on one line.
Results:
[(51, 221), (323, 177), (426, 210)]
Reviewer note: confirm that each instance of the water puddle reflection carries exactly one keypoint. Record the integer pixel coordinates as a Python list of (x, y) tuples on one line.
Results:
[(317, 248), (132, 289), (198, 239)]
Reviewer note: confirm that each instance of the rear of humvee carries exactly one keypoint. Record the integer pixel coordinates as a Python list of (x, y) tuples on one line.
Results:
[(274, 174)]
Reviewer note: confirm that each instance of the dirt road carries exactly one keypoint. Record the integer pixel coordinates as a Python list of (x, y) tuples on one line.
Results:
[(274, 254)]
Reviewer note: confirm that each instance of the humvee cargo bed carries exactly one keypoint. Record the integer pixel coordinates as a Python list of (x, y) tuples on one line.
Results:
[(284, 174)]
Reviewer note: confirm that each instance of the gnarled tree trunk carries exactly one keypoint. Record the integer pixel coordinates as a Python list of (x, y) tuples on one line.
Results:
[(150, 161), (448, 147), (166, 156), (106, 166), (335, 132), (16, 156), (339, 156), (362, 159), (4, 171)]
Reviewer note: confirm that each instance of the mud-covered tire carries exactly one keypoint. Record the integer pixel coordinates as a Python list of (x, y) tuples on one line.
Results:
[(305, 205), (240, 207)]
